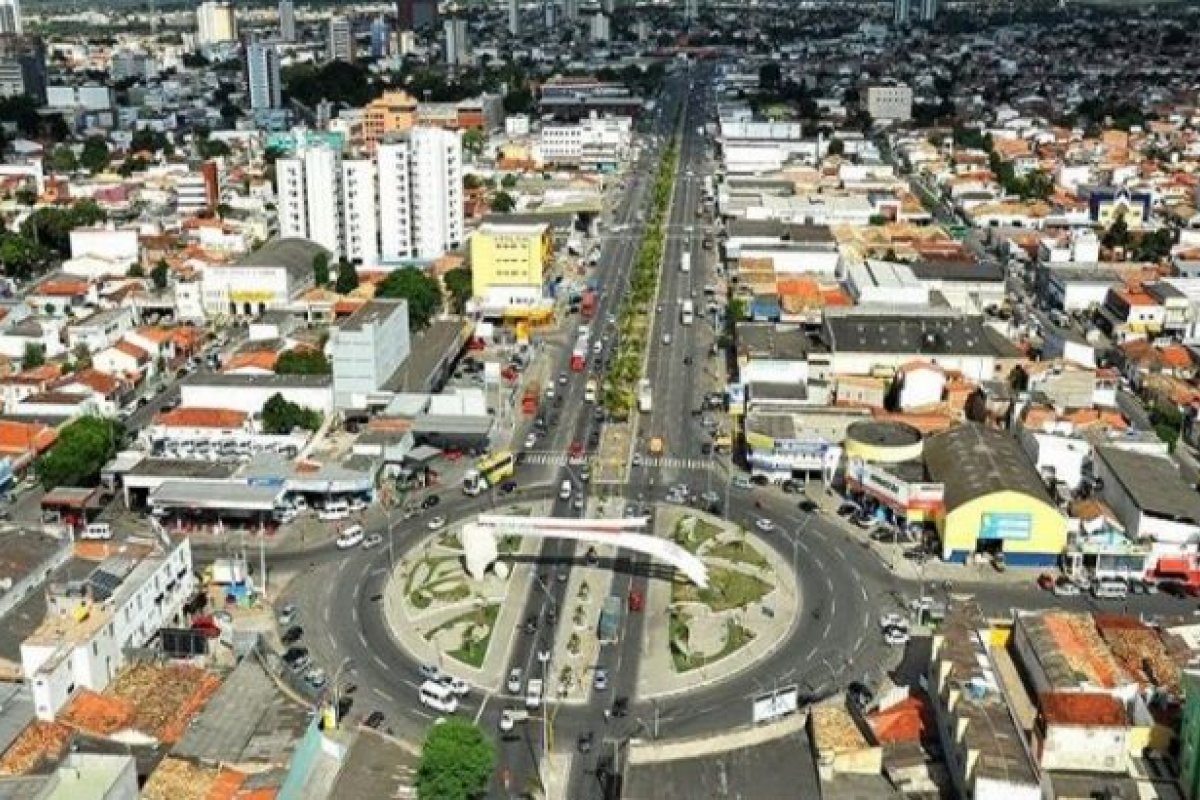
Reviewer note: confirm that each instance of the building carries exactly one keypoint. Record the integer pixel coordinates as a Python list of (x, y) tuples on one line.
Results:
[(391, 112), (890, 103), (900, 13), (248, 393), (287, 21), (192, 194), (91, 624), (360, 209), (309, 198), (268, 278), (381, 34), (341, 39), (262, 76), (996, 503), (600, 29), (22, 65), (420, 194), (508, 264), (367, 348), (412, 15), (596, 143), (216, 22), (929, 9), (10, 17), (458, 45), (1189, 736), (514, 17)]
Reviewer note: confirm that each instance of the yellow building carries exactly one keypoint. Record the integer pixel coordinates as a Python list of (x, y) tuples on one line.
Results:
[(391, 112), (508, 264), (995, 501)]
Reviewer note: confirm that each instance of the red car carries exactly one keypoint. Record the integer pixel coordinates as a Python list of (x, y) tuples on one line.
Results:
[(1045, 581), (636, 601), (576, 449)]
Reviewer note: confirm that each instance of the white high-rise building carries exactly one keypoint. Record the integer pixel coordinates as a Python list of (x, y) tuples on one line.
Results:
[(341, 39), (262, 75), (458, 46), (215, 23), (570, 10), (10, 16), (310, 198), (360, 211), (600, 30), (929, 9), (420, 194), (287, 21), (514, 17), (900, 12), (690, 10)]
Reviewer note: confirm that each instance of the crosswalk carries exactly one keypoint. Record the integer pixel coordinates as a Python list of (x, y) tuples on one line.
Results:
[(554, 459)]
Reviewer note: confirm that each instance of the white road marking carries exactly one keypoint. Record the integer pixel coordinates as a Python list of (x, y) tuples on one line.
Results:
[(482, 706), (825, 633), (421, 713), (833, 606), (363, 638), (354, 612), (332, 643), (387, 695), (382, 664), (863, 589), (327, 615), (411, 685), (858, 642)]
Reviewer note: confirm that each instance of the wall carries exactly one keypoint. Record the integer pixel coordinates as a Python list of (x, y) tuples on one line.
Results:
[(1063, 454), (224, 286), (921, 387), (118, 245), (974, 368), (251, 399)]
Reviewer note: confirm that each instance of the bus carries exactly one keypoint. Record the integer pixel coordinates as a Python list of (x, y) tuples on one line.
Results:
[(644, 399), (687, 312), (489, 471)]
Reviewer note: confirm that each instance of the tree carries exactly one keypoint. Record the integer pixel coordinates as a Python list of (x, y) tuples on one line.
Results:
[(303, 361), (473, 141), (1117, 234), (94, 156), (320, 265), (347, 278), (503, 203), (769, 77), (458, 284), (213, 148), (456, 762), (508, 181), (26, 196), (471, 182), (159, 274), (63, 159), (136, 271), (82, 356), (83, 447), (421, 291), (150, 141), (836, 147), (35, 355), (19, 256), (280, 417)]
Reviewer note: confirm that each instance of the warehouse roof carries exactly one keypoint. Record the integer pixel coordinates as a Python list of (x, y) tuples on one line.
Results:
[(190, 494), (942, 335), (293, 254), (979, 271), (1154, 484), (974, 461)]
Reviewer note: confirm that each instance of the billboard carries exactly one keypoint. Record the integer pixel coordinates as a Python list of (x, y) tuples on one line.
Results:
[(1006, 526)]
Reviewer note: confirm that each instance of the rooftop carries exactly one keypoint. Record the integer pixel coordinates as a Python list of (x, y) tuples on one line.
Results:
[(429, 356), (371, 313), (377, 766), (1092, 709), (220, 418), (884, 433), (974, 461), (1154, 484), (768, 341), (21, 552), (937, 336), (1069, 651), (973, 271), (295, 255), (281, 381), (181, 468)]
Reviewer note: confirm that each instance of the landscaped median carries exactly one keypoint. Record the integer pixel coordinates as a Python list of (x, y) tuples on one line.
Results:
[(634, 319)]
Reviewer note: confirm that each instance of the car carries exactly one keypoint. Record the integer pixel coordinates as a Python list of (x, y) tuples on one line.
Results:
[(292, 635), (620, 707), (287, 615), (531, 441), (600, 679), (558, 401), (859, 695), (577, 503), (551, 615), (576, 449), (594, 438), (591, 557), (807, 506), (372, 541), (892, 620), (636, 600), (374, 719), (430, 502), (848, 510), (351, 537), (456, 685), (316, 677), (791, 486), (430, 672), (562, 379), (540, 423), (764, 525), (1066, 588), (585, 474), (550, 392), (531, 625), (508, 487), (895, 636), (437, 523), (666, 338), (584, 743), (513, 684)]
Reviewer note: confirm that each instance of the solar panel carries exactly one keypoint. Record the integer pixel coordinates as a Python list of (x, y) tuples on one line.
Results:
[(104, 584)]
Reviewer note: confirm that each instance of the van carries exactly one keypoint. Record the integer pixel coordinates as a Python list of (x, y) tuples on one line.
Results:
[(564, 491), (1110, 590), (351, 537), (97, 530), (438, 696), (533, 693), (334, 510)]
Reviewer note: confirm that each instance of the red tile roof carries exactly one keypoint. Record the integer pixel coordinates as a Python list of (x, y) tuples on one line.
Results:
[(910, 720), (95, 380), (1082, 708), (202, 418), (18, 437), (260, 359)]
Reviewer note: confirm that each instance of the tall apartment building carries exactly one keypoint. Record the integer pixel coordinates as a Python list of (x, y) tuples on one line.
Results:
[(215, 22), (10, 17), (414, 15), (458, 45), (900, 12), (890, 103), (22, 66), (287, 21), (600, 28), (341, 39), (262, 76), (929, 9), (514, 17), (406, 203)]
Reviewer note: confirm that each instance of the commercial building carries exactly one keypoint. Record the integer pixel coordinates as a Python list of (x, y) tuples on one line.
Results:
[(22, 65), (929, 9), (890, 103), (341, 39), (900, 12), (595, 143), (508, 264), (391, 112), (10, 17), (248, 393), (360, 204), (796, 445), (514, 17), (366, 349), (995, 501), (885, 472), (92, 624), (262, 72), (412, 15), (216, 22), (268, 278)]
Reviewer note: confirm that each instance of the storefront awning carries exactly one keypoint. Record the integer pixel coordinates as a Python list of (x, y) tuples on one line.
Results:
[(232, 496)]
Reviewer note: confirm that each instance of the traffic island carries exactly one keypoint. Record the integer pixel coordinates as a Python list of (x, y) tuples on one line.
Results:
[(705, 635)]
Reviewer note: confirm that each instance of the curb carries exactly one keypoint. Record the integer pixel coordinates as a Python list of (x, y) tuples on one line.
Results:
[(642, 751)]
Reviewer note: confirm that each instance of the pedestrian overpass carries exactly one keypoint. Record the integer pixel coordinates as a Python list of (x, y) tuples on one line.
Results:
[(480, 540)]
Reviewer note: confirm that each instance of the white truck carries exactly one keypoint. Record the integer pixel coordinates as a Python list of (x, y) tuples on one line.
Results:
[(644, 398), (685, 261)]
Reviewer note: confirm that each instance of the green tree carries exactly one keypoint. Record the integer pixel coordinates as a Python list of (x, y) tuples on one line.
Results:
[(508, 181), (458, 285), (94, 156), (213, 148), (159, 274), (1117, 234), (83, 447), (320, 265), (82, 356), (136, 271), (471, 182), (20, 257), (836, 147), (26, 196), (34, 356), (63, 159), (421, 291), (456, 762), (280, 416), (150, 141), (473, 141), (51, 227), (503, 203), (347, 278), (303, 361)]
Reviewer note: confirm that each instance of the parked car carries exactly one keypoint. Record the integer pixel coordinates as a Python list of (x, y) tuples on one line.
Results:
[(895, 636), (513, 684), (287, 615), (351, 537), (1066, 588), (456, 685), (430, 672), (430, 502), (374, 719), (600, 679), (764, 525), (292, 635)]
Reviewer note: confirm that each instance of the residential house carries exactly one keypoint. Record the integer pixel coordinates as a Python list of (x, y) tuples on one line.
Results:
[(125, 359), (100, 330)]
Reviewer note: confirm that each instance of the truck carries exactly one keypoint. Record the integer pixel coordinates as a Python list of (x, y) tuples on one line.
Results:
[(610, 619), (579, 355), (685, 261), (588, 304), (529, 401), (226, 572), (644, 399), (591, 390), (686, 312)]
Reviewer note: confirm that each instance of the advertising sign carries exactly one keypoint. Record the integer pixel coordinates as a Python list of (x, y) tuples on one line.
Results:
[(1006, 526), (772, 706)]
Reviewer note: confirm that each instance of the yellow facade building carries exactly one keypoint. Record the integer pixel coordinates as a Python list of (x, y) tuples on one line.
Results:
[(508, 265), (391, 112)]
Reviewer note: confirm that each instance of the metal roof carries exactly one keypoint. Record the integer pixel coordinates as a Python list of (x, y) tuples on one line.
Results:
[(190, 494), (1154, 484), (973, 461)]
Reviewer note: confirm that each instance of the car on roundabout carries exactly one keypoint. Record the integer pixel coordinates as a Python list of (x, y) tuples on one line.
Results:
[(431, 672), (430, 502), (372, 541), (436, 524), (1066, 588), (765, 525), (456, 685), (351, 537), (893, 620), (895, 636)]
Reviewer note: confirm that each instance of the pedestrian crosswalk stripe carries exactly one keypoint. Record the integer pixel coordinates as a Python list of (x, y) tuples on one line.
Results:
[(547, 459)]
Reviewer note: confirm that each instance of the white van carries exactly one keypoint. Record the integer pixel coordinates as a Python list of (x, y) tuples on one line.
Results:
[(564, 491), (533, 693), (1110, 590), (438, 696), (97, 530), (334, 510), (351, 537)]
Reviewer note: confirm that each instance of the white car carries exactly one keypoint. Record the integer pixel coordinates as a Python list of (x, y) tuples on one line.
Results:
[(1067, 589), (437, 523), (892, 621), (372, 541), (351, 537), (764, 525), (531, 441), (513, 684), (895, 636), (456, 685)]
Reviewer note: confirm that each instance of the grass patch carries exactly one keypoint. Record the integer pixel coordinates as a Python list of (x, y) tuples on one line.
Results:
[(728, 588), (475, 642), (736, 637), (738, 552), (422, 595), (691, 533), (451, 541), (508, 544)]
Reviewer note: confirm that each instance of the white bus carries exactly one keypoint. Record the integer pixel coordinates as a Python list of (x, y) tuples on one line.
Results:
[(644, 400), (687, 312), (438, 696)]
